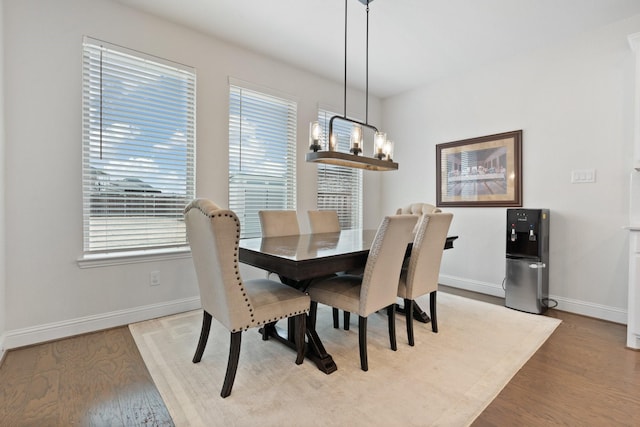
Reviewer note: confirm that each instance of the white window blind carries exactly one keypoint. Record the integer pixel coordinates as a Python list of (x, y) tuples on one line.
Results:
[(138, 119), (339, 187), (262, 153)]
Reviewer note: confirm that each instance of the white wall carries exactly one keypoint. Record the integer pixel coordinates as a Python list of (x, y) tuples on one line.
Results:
[(2, 190), (47, 294), (574, 103)]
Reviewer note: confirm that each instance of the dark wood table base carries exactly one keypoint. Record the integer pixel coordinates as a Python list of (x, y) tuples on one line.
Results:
[(418, 313), (315, 351), (301, 258)]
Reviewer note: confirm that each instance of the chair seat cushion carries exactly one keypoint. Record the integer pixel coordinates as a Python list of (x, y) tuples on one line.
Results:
[(273, 301), (341, 292)]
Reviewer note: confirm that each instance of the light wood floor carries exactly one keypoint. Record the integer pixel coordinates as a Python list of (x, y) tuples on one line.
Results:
[(582, 376), (97, 379)]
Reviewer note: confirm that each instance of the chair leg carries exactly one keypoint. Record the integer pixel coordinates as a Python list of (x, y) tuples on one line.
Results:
[(232, 364), (362, 340), (347, 319), (432, 309), (391, 315), (408, 313), (313, 311), (336, 323), (301, 327), (204, 336)]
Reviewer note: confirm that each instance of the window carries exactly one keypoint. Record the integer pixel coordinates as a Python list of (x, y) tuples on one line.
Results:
[(138, 119), (262, 153), (339, 187)]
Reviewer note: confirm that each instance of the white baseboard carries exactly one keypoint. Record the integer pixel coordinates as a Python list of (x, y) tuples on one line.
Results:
[(2, 347), (633, 341), (472, 285), (611, 314), (82, 325), (585, 308), (58, 330)]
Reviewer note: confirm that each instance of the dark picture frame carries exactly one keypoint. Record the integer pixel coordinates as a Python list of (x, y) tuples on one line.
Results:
[(480, 172)]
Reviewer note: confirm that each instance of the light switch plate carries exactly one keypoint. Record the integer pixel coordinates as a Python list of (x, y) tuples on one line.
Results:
[(579, 176)]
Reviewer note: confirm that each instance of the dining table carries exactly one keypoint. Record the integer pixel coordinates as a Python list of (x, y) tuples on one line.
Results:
[(298, 259)]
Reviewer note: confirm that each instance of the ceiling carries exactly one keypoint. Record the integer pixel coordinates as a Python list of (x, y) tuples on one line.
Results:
[(411, 42)]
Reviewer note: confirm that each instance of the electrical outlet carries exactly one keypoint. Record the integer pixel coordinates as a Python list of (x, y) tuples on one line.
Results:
[(154, 278)]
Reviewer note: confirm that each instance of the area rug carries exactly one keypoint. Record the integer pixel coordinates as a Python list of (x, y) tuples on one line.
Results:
[(447, 379)]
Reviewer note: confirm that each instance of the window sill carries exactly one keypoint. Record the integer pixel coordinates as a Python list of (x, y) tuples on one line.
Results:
[(132, 257)]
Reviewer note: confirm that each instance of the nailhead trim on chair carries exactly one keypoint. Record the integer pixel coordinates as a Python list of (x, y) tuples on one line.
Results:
[(235, 259), (236, 254), (282, 317)]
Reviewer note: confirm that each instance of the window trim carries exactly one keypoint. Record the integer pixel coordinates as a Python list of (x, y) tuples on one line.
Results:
[(133, 257), (175, 250), (291, 177)]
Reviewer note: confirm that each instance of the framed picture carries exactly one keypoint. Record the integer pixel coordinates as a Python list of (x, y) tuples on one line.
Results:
[(480, 172)]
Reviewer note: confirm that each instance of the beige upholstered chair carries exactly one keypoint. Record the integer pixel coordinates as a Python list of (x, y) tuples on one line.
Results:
[(417, 209), (413, 209), (421, 275), (275, 223), (238, 305), (279, 223), (324, 221), (374, 290)]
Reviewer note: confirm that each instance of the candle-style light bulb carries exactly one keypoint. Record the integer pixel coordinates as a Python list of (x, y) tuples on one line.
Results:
[(380, 140), (315, 135), (356, 139), (388, 150)]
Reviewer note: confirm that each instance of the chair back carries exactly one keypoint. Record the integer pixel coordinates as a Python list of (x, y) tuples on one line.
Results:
[(279, 223), (214, 235), (382, 270), (417, 209), (426, 254), (324, 221)]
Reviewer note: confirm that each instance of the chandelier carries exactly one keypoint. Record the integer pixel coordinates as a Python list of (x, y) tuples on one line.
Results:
[(382, 155)]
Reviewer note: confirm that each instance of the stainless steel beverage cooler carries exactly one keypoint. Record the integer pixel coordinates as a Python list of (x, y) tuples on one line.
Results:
[(527, 269)]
